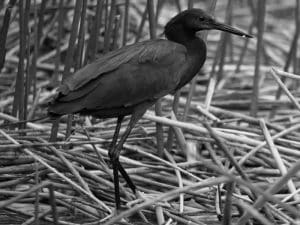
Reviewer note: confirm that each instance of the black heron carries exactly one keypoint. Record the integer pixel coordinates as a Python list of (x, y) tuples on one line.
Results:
[(129, 80)]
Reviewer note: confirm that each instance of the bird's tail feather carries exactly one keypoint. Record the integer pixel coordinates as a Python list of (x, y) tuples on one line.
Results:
[(57, 108)]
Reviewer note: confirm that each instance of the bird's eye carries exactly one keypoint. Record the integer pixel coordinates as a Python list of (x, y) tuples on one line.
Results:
[(201, 18)]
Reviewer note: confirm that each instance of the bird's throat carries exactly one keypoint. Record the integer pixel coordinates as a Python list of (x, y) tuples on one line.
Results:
[(179, 34)]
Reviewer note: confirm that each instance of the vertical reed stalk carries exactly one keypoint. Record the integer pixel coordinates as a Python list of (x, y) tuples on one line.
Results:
[(261, 9), (158, 106), (4, 30), (80, 44), (32, 68), (126, 22), (92, 47), (18, 104), (224, 40), (109, 26), (27, 50), (142, 24), (72, 40), (60, 23)]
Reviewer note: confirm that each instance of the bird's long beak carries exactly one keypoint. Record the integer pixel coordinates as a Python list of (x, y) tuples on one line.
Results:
[(229, 29)]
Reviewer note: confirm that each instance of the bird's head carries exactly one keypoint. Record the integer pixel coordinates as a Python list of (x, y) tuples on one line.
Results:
[(193, 20)]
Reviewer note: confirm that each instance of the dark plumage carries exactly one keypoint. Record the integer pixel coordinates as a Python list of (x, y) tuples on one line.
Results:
[(129, 80), (122, 79)]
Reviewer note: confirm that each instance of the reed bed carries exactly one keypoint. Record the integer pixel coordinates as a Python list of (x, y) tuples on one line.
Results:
[(225, 150)]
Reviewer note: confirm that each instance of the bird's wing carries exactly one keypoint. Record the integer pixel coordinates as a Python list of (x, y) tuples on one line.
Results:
[(103, 64), (128, 76), (112, 60)]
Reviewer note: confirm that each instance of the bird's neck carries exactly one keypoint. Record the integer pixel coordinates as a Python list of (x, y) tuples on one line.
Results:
[(179, 34), (196, 51)]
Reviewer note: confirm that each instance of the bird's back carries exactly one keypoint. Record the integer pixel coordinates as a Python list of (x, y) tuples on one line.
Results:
[(119, 81)]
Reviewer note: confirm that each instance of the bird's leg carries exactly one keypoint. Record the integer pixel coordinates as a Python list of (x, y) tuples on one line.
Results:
[(54, 130), (126, 177), (115, 153), (116, 134), (114, 164)]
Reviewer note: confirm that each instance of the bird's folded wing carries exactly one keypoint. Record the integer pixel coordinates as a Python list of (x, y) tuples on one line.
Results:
[(112, 60), (128, 76)]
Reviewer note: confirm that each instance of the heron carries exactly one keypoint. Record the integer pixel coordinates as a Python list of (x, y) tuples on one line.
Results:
[(129, 80)]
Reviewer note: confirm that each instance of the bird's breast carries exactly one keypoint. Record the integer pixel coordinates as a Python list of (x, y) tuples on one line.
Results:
[(196, 56)]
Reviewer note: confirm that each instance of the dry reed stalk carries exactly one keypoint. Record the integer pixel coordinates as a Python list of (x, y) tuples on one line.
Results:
[(80, 174)]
